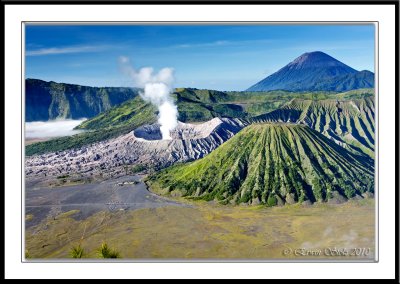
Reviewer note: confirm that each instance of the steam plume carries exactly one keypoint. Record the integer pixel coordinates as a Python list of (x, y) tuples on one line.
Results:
[(157, 90)]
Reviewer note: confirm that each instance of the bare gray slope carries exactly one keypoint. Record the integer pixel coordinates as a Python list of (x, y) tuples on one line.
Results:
[(140, 147), (123, 193)]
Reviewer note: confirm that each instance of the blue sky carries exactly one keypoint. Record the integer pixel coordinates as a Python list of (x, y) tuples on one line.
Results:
[(221, 57)]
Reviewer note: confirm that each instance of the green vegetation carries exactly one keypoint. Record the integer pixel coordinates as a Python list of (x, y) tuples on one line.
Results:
[(138, 168), (241, 104), (270, 164), (77, 252), (201, 105), (272, 201), (62, 177), (105, 252), (356, 94), (28, 217), (76, 141), (134, 112), (350, 122), (51, 100)]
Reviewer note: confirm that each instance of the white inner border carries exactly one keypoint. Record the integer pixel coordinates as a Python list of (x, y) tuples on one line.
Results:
[(15, 14)]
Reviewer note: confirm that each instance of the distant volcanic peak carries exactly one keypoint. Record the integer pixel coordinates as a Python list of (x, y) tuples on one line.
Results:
[(317, 59), (315, 71)]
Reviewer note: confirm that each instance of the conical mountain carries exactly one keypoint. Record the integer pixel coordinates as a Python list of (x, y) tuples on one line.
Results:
[(272, 163), (315, 71)]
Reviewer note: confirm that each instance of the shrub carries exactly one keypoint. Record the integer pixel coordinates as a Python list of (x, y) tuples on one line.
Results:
[(349, 191), (138, 168), (62, 177), (272, 201), (246, 197), (105, 252), (77, 252)]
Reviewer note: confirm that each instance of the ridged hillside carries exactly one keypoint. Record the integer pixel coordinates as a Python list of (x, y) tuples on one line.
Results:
[(202, 105), (351, 123), (50, 100), (271, 164)]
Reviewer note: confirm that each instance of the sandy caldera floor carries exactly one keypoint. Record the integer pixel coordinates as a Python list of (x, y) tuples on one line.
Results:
[(207, 230)]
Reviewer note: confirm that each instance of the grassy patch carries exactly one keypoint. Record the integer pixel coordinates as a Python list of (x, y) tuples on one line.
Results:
[(28, 217), (77, 252), (210, 231), (105, 252)]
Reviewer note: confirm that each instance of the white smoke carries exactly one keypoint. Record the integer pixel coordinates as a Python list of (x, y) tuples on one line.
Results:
[(157, 90)]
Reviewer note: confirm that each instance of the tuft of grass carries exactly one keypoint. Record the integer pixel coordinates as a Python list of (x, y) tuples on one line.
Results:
[(63, 176), (138, 168), (105, 252), (28, 217), (27, 254), (77, 252)]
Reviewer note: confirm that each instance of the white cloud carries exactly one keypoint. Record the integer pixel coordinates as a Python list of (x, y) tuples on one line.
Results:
[(55, 128), (221, 43), (65, 50), (205, 44)]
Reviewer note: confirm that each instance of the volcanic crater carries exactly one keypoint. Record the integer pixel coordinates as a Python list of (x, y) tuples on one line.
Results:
[(143, 146)]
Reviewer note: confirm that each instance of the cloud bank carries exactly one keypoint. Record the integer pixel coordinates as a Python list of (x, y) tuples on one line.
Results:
[(55, 128)]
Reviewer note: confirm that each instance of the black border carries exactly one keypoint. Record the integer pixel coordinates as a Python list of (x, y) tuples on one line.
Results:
[(201, 2), (241, 2)]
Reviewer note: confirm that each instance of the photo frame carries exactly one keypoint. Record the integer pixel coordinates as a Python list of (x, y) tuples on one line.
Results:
[(386, 85)]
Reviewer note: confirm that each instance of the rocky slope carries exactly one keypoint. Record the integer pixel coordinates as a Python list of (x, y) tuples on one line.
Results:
[(139, 148), (272, 163)]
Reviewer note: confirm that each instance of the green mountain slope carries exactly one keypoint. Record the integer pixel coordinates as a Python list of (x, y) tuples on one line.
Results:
[(194, 106), (252, 103), (351, 123), (110, 124), (271, 164), (135, 112), (51, 100), (191, 108), (201, 105)]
